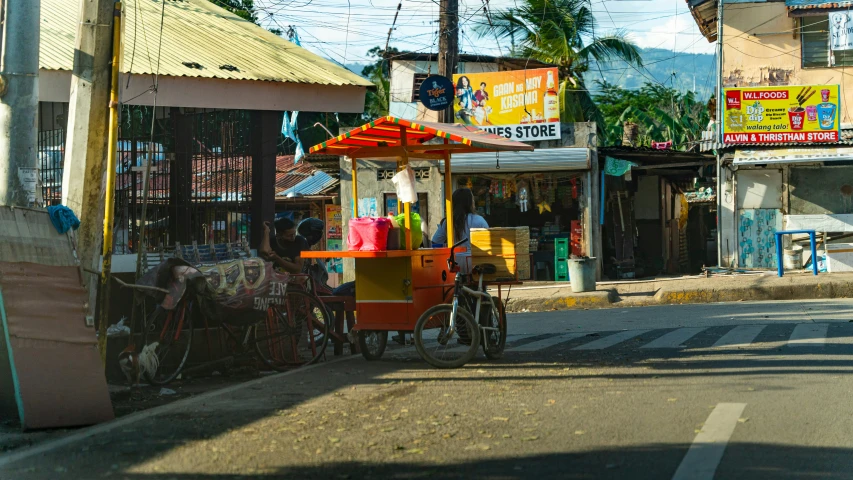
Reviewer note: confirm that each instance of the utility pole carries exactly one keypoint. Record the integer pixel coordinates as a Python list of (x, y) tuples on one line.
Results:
[(86, 145), (19, 102), (718, 134), (448, 46)]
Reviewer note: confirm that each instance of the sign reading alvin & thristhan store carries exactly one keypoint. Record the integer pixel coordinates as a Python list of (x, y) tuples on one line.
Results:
[(790, 114)]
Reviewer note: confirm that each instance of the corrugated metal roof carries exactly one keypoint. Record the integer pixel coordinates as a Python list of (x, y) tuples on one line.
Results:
[(195, 32), (540, 160), (313, 185)]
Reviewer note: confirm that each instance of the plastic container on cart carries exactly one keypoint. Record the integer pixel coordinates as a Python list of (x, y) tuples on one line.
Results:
[(582, 273), (368, 234)]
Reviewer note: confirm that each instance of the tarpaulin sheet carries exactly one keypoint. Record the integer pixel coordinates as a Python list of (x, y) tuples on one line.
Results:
[(235, 292), (56, 369)]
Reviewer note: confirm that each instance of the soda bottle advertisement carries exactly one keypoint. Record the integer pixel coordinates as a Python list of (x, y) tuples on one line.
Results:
[(791, 114)]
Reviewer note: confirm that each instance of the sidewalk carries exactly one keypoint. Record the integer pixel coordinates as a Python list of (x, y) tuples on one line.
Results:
[(549, 296)]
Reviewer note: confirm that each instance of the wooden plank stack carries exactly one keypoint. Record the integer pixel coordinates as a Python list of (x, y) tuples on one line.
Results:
[(506, 248)]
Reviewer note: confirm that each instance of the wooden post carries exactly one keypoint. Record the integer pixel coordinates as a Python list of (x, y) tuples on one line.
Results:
[(448, 198), (407, 208)]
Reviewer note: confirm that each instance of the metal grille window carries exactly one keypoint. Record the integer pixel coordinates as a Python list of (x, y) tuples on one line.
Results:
[(416, 86), (52, 118), (815, 45)]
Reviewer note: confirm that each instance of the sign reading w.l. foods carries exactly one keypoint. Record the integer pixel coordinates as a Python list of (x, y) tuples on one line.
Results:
[(793, 114), (521, 105)]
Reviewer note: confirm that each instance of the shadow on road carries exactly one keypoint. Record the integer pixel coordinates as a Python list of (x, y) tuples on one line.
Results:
[(747, 461)]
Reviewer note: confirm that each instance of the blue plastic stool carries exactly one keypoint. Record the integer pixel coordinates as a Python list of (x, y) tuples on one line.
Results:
[(779, 248)]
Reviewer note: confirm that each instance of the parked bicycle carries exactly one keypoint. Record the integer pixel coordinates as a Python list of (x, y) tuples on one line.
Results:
[(274, 319), (473, 318)]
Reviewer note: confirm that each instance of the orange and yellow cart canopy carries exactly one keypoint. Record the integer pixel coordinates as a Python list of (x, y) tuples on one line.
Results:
[(395, 137)]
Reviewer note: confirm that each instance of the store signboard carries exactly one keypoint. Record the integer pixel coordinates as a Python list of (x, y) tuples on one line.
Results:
[(521, 105), (772, 115), (793, 155)]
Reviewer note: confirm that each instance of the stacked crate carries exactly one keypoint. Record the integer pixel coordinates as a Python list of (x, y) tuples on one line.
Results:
[(508, 249), (561, 259)]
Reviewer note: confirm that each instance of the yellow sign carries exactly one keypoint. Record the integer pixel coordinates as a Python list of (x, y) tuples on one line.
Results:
[(521, 105), (792, 114)]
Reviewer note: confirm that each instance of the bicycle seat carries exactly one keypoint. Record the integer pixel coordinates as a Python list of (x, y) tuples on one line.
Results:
[(486, 269)]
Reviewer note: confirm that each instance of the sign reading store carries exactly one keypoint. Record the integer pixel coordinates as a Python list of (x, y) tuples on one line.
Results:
[(790, 114)]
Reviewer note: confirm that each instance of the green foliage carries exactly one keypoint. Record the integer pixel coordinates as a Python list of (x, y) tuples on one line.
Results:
[(563, 33), (661, 113), (377, 101), (244, 9)]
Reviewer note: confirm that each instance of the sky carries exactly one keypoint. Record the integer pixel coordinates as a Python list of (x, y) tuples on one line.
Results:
[(344, 30)]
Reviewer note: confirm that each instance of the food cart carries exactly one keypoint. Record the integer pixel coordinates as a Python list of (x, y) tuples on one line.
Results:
[(394, 287)]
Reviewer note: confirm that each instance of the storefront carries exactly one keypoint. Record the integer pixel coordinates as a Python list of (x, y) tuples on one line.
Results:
[(550, 191), (659, 214), (770, 189)]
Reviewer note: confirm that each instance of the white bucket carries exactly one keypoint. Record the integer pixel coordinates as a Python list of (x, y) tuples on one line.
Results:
[(792, 258)]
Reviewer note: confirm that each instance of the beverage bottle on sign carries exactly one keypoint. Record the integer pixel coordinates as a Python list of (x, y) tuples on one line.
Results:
[(552, 105)]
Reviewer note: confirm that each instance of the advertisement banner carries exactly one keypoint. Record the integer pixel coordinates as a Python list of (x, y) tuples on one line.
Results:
[(792, 114), (521, 105), (841, 30), (334, 223)]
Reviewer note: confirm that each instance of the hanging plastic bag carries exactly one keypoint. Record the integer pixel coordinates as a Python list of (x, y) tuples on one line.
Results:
[(404, 181)]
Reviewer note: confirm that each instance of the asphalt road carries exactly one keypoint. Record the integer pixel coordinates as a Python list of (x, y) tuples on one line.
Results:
[(726, 391)]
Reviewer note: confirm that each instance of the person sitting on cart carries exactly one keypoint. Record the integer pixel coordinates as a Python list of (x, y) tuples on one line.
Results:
[(465, 218), (287, 247)]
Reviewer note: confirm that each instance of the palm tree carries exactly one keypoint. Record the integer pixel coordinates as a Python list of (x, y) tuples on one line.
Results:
[(563, 32)]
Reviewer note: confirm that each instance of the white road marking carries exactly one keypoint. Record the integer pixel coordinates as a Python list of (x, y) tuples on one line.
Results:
[(704, 455), (611, 340), (548, 342), (674, 339), (808, 335), (740, 336)]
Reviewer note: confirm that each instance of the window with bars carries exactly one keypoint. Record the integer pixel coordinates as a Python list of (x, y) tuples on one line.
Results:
[(814, 36), (416, 86)]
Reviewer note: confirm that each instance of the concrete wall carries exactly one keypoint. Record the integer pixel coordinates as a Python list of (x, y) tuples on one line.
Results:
[(761, 47)]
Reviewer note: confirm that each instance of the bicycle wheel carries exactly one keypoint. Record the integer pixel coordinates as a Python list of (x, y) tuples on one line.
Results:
[(372, 343), (493, 317), (433, 344), (168, 338), (294, 333)]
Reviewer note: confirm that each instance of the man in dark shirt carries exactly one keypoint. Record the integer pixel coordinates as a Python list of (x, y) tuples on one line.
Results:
[(287, 247)]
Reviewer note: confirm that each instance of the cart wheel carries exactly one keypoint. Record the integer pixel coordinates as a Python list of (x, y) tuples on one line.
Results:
[(372, 343)]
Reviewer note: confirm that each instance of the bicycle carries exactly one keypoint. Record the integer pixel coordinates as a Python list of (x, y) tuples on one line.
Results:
[(294, 331), (443, 322)]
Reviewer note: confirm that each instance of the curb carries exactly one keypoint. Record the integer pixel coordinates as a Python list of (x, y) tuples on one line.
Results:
[(577, 301), (757, 293), (784, 290)]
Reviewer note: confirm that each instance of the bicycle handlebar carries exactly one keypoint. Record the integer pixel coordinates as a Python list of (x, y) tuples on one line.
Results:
[(451, 262)]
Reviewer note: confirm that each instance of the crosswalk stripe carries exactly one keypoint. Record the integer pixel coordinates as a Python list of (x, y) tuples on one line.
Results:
[(611, 340), (548, 342), (674, 339), (740, 336), (808, 335)]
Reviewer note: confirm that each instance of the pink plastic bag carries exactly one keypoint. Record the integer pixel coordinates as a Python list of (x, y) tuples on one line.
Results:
[(368, 234)]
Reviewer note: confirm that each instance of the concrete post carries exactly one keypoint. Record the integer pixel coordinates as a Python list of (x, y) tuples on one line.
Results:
[(19, 65), (86, 145)]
